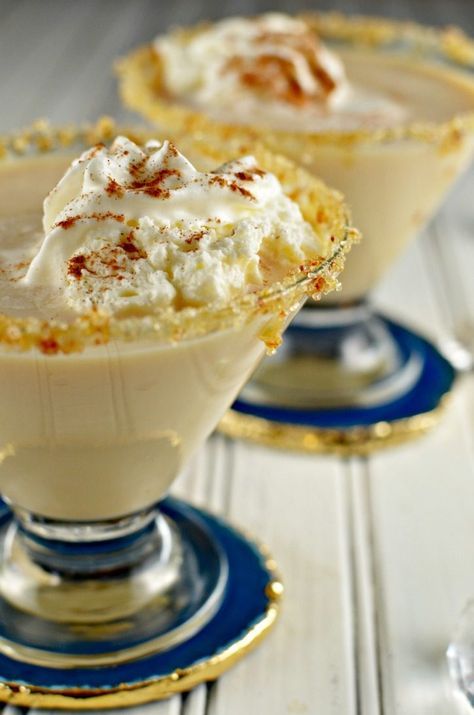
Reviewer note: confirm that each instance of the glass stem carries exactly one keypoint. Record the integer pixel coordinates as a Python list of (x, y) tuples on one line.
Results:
[(88, 549), (56, 570)]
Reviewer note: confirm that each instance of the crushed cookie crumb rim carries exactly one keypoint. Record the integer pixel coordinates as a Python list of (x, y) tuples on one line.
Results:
[(97, 327), (141, 88)]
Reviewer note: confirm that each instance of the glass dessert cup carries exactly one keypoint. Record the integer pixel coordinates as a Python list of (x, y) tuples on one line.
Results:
[(98, 416), (343, 366)]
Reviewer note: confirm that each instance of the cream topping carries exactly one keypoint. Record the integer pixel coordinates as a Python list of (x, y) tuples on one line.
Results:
[(131, 228), (273, 55), (272, 70)]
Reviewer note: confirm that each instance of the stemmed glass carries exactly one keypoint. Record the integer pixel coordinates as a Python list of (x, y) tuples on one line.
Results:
[(97, 417), (347, 377)]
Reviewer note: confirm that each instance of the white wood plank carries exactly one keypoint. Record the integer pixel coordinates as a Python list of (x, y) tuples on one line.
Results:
[(365, 596), (298, 506), (11, 710), (195, 701), (423, 512), (163, 707), (420, 498)]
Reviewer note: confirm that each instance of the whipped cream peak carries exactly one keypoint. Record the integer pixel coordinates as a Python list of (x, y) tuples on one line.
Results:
[(273, 56), (134, 228)]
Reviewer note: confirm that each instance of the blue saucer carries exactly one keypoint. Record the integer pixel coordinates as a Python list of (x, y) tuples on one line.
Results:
[(352, 429), (248, 610)]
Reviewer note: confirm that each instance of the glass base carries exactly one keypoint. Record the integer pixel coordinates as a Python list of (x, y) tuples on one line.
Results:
[(93, 594), (355, 429), (334, 357), (461, 654), (248, 612)]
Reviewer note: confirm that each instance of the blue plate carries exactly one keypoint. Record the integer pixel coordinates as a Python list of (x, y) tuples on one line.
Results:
[(352, 428), (248, 610)]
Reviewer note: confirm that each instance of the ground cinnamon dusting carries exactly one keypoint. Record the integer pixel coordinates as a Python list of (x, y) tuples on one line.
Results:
[(240, 190), (194, 237), (109, 257), (244, 175), (71, 220), (114, 189), (133, 251), (219, 180), (153, 186), (68, 222), (249, 174), (95, 150), (232, 185), (276, 75), (76, 265)]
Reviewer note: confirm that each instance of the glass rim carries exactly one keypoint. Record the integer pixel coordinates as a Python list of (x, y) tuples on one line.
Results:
[(97, 327), (139, 85)]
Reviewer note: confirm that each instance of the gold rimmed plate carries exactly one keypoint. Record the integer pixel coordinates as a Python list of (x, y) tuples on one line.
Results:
[(352, 429), (248, 611)]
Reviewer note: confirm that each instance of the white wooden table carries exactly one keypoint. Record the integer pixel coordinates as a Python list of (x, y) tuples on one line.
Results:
[(377, 554)]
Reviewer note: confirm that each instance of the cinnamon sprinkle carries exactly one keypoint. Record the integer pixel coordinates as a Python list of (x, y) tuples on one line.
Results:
[(195, 237), (133, 251), (153, 186), (240, 190), (249, 174), (95, 150), (137, 167), (244, 175), (232, 185), (114, 189), (274, 75), (76, 265), (109, 257), (219, 180), (71, 220)]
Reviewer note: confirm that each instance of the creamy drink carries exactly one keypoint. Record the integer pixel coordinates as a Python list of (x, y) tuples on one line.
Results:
[(383, 111), (133, 306), (135, 309), (390, 128)]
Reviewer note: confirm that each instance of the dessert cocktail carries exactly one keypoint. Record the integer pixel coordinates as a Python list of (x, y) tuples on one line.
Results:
[(130, 317), (382, 110)]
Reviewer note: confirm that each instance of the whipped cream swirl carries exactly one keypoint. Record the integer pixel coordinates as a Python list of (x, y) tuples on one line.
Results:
[(271, 71), (273, 56), (132, 228)]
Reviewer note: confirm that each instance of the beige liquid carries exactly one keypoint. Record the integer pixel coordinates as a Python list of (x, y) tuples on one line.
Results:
[(103, 433), (393, 188)]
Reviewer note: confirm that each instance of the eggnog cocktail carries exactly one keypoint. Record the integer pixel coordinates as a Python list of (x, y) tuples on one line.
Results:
[(384, 111), (131, 315)]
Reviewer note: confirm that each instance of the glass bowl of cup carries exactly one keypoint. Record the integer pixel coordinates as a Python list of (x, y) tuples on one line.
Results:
[(348, 378), (99, 414)]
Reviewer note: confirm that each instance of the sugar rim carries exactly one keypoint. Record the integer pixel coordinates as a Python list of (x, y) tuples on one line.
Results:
[(97, 327), (139, 83)]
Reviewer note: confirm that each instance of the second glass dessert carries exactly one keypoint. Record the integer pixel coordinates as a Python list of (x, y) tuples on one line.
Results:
[(382, 110)]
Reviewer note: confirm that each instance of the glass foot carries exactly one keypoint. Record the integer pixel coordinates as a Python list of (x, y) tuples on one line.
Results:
[(334, 357), (353, 429), (94, 594), (247, 613), (460, 654)]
